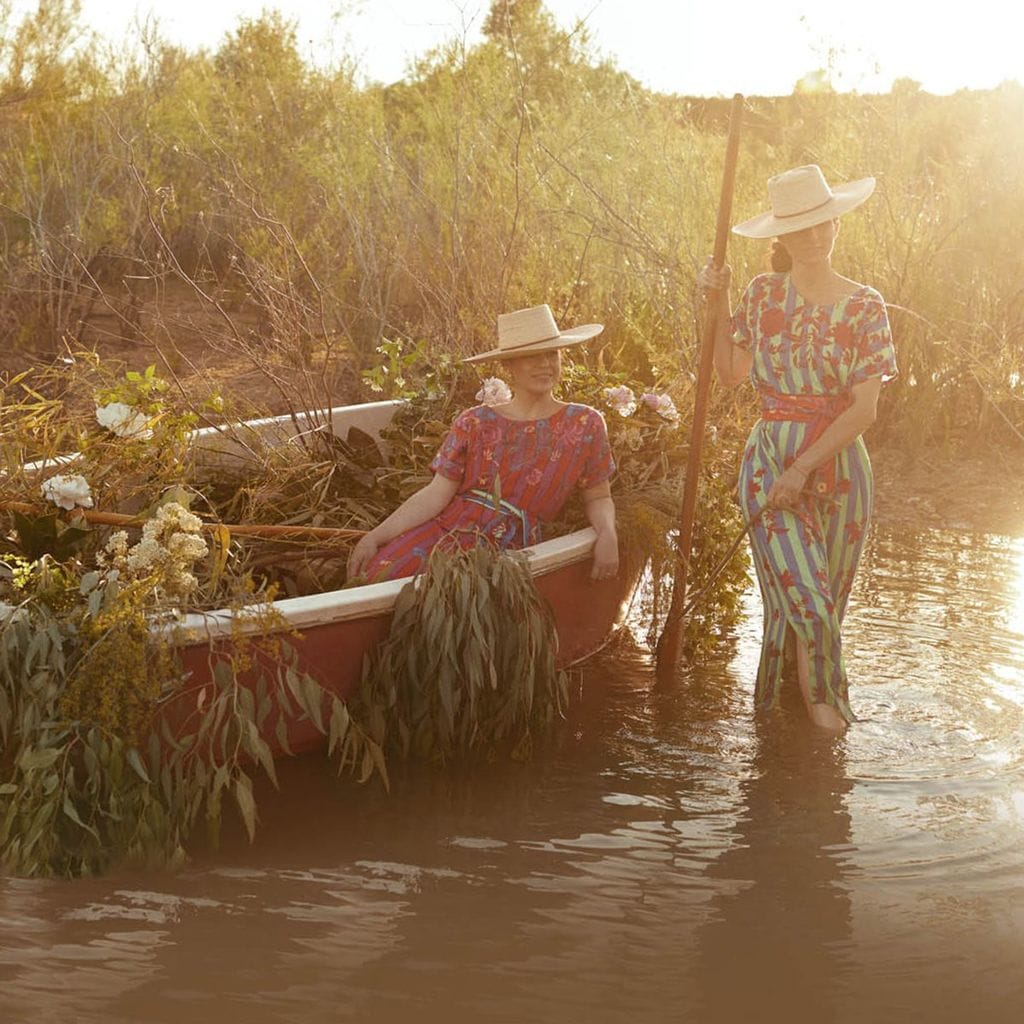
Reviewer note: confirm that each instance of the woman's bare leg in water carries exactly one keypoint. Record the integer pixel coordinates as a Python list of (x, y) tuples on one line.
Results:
[(822, 715)]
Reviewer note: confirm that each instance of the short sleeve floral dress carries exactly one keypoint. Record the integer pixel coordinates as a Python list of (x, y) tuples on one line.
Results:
[(806, 358), (514, 476)]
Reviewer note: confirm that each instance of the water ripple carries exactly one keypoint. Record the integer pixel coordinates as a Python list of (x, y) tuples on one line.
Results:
[(671, 857)]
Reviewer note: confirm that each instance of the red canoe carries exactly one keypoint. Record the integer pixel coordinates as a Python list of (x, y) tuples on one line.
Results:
[(333, 631)]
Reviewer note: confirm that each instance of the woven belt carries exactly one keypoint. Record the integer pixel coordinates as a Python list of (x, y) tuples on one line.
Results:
[(500, 505), (819, 411)]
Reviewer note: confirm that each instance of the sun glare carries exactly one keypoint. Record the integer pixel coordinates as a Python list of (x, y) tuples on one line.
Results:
[(1016, 610), (693, 49)]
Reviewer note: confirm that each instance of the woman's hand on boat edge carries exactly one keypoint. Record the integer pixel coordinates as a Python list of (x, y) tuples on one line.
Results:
[(600, 511), (606, 556), (359, 558)]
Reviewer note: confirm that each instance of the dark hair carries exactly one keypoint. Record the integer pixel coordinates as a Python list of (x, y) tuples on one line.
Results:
[(780, 259)]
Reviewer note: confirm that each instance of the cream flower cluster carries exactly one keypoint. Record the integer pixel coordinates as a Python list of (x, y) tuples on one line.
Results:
[(123, 420), (171, 544), (621, 399), (632, 439), (494, 392), (67, 491)]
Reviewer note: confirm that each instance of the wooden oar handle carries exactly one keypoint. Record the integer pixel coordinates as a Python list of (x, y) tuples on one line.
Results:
[(667, 649), (240, 529)]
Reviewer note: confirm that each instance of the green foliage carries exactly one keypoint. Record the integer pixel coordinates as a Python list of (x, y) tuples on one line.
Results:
[(716, 579), (108, 752), (106, 758), (142, 391), (409, 371), (48, 535), (469, 666)]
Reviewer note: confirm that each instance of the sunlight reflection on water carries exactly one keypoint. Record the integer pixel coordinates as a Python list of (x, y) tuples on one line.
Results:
[(672, 857), (1015, 618)]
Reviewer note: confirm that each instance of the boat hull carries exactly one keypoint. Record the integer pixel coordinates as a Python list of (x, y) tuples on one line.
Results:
[(586, 615)]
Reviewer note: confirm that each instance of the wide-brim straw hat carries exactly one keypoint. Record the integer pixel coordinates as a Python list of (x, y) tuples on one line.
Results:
[(533, 330), (800, 199)]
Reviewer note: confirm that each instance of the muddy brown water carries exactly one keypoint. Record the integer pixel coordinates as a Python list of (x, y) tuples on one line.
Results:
[(670, 858)]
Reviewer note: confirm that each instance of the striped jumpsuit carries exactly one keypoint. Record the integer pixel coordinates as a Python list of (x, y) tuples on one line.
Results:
[(806, 358)]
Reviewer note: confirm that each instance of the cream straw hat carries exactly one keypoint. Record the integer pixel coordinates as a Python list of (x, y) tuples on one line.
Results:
[(533, 330), (800, 199)]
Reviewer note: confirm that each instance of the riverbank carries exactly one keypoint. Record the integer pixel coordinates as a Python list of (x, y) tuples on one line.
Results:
[(981, 492)]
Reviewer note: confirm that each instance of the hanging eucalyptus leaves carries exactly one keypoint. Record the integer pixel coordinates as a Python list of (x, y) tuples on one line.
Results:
[(469, 668), (95, 772)]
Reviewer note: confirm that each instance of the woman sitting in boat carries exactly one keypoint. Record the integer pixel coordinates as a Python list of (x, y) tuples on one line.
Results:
[(505, 470)]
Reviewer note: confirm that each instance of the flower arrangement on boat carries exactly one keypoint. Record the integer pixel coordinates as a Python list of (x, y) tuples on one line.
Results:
[(107, 556)]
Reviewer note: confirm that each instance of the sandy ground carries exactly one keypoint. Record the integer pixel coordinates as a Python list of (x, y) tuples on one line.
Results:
[(960, 491)]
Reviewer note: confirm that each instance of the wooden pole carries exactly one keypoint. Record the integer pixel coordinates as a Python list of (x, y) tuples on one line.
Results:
[(273, 531), (667, 650)]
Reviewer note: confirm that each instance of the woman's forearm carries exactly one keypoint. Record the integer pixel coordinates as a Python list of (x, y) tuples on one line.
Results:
[(843, 430), (426, 503), (724, 347), (732, 363), (600, 513)]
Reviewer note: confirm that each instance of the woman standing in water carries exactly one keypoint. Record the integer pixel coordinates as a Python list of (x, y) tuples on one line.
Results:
[(817, 347)]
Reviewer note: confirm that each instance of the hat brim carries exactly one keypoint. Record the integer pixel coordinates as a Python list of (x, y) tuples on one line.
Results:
[(575, 336), (844, 198)]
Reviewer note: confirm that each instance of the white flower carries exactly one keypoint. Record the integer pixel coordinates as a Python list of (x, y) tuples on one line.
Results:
[(67, 491), (172, 515), (146, 554), (621, 399), (186, 547), (117, 544), (713, 433), (632, 438), (494, 392), (171, 544), (663, 406), (186, 583), (123, 420)]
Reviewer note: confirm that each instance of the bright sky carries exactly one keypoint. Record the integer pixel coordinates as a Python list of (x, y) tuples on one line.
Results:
[(698, 48)]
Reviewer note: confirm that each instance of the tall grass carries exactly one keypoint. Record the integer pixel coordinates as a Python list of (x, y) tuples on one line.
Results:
[(291, 217)]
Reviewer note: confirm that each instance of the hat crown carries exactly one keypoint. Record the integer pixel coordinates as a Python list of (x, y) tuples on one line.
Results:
[(802, 198), (526, 327), (798, 191), (526, 331)]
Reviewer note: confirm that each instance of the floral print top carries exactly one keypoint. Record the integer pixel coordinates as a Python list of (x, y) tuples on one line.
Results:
[(805, 348), (513, 476), (534, 464)]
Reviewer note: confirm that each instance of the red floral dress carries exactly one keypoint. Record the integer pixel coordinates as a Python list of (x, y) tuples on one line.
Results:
[(514, 476), (807, 357)]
